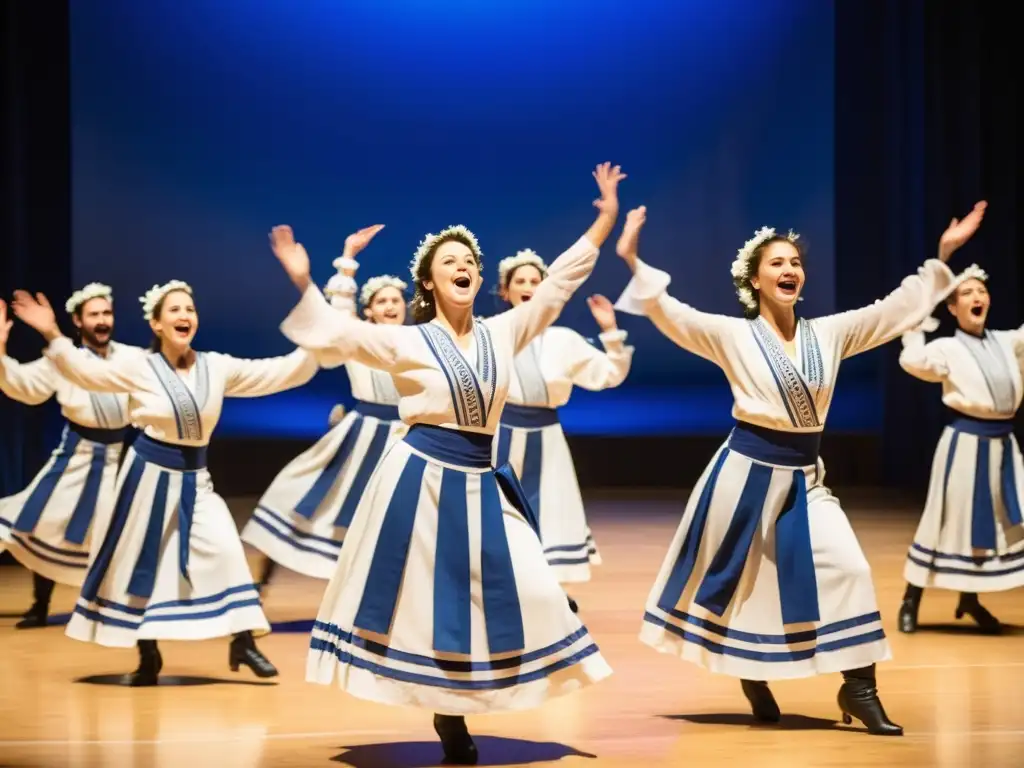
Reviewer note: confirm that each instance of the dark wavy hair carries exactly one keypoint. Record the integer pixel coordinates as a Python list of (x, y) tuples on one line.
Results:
[(423, 308), (754, 263)]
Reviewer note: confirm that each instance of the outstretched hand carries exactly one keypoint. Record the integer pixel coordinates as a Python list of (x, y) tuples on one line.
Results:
[(960, 231), (292, 255), (603, 312), (36, 312), (629, 240), (357, 241), (5, 326), (608, 178)]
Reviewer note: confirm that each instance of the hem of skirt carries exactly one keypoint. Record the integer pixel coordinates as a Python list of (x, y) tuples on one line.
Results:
[(926, 578), (323, 668), (286, 554), (68, 575), (81, 627), (852, 657), (572, 574)]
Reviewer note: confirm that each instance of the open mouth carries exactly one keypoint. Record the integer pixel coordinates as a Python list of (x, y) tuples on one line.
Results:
[(787, 287), (182, 329), (101, 330), (977, 311), (462, 281), (527, 296)]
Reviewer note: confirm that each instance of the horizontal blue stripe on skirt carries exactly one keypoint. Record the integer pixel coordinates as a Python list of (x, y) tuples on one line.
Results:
[(528, 416)]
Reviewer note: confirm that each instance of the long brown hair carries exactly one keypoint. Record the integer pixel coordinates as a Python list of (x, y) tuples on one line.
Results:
[(423, 307)]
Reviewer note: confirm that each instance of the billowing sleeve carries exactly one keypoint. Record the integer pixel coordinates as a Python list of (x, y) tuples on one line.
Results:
[(698, 332), (592, 369), (29, 383), (902, 310), (1017, 341), (257, 378), (565, 275), (921, 360), (119, 374), (315, 325)]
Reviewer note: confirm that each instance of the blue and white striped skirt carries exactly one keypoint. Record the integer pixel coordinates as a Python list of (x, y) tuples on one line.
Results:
[(971, 536), (301, 520), (442, 598), (532, 441), (169, 565), (49, 525), (765, 578)]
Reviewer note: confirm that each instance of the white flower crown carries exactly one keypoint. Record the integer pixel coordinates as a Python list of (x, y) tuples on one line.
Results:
[(430, 240), (973, 272), (157, 292), (521, 259), (375, 284), (741, 265), (89, 292)]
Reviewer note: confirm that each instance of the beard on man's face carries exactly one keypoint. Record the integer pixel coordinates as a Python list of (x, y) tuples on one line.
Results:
[(98, 335)]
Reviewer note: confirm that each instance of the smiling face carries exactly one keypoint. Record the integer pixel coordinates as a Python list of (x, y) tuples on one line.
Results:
[(522, 284), (780, 275), (454, 276), (387, 306), (969, 304), (95, 320), (175, 321)]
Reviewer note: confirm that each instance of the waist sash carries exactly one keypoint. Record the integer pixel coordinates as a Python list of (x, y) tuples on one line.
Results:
[(376, 410), (528, 416), (96, 435)]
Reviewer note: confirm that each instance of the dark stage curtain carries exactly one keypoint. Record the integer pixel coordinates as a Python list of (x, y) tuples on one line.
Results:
[(36, 207), (926, 99)]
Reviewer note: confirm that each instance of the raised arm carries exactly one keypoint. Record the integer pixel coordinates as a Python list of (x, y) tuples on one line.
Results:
[(256, 378), (698, 332), (29, 383), (569, 271), (120, 374), (315, 325), (589, 367), (923, 361)]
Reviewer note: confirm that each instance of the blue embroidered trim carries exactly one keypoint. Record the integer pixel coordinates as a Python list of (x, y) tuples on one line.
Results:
[(797, 397), (472, 390), (186, 410)]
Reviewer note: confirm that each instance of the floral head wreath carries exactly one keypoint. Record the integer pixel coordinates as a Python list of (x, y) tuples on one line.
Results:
[(157, 292), (372, 286), (430, 240), (89, 292), (521, 259), (742, 263)]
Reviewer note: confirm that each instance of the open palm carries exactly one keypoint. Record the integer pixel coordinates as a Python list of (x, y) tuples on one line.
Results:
[(292, 255), (35, 312), (960, 231), (603, 312)]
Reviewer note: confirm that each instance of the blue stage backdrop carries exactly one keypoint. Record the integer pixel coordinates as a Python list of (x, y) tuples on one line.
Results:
[(199, 125)]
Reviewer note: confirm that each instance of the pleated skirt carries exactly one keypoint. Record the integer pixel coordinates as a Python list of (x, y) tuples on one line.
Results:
[(971, 537), (169, 564), (442, 598), (48, 526), (532, 441), (765, 578), (301, 520)]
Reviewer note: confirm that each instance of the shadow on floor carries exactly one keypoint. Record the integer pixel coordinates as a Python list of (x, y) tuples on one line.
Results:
[(426, 754)]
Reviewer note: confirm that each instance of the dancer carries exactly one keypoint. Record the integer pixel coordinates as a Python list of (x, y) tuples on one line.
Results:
[(530, 436), (765, 579), (971, 535), (47, 527), (442, 598), (300, 521), (169, 565)]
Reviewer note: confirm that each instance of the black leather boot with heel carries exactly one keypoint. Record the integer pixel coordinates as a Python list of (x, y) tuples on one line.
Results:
[(907, 620), (762, 701), (458, 745), (858, 698), (266, 574), (36, 616), (244, 653), (970, 606), (150, 664)]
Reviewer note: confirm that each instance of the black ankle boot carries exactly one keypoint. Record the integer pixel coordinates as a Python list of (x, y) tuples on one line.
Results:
[(245, 653), (858, 698), (455, 740), (572, 605), (150, 664), (970, 606), (762, 702), (907, 621), (269, 567), (36, 616)]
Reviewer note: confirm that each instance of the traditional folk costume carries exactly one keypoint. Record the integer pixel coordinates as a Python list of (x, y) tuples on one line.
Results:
[(301, 520), (442, 598), (170, 565), (765, 579), (971, 535), (531, 439), (48, 526)]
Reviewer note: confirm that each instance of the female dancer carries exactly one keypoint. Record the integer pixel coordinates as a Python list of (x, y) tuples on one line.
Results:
[(300, 521), (170, 564), (442, 598), (48, 526), (765, 579), (530, 436), (971, 535)]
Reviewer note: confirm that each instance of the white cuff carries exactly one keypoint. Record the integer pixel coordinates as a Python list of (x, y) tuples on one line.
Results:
[(611, 337), (343, 262), (646, 286)]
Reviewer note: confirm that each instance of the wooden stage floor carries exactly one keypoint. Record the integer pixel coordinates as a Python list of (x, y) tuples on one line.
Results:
[(960, 696)]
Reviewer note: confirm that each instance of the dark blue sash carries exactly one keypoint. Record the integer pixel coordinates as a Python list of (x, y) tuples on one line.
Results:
[(528, 416), (101, 436), (376, 410)]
